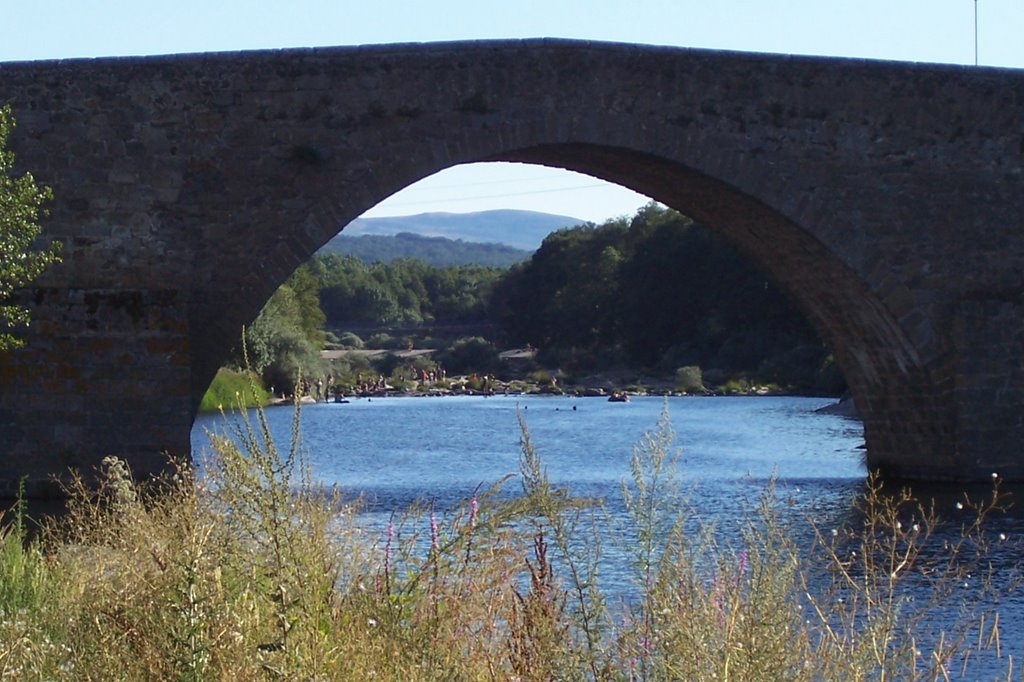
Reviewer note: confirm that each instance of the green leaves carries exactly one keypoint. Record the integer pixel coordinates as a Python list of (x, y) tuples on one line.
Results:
[(656, 291), (21, 260)]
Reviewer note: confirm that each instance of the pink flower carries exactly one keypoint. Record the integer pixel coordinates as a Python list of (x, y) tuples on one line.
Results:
[(387, 555), (433, 529)]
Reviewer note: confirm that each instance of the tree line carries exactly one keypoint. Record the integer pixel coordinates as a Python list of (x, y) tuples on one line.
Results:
[(658, 291), (653, 292), (403, 292), (439, 251)]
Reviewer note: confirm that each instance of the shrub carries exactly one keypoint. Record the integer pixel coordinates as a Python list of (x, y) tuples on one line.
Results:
[(350, 340), (470, 355), (423, 362), (386, 364), (542, 376), (283, 357), (379, 340), (252, 571), (688, 379)]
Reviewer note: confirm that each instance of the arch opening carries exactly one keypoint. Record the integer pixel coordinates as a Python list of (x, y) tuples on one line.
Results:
[(868, 345), (646, 175)]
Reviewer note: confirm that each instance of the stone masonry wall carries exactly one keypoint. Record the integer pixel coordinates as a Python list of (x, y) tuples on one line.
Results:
[(886, 198)]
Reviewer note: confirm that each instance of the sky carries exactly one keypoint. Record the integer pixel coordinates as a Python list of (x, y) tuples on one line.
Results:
[(904, 30)]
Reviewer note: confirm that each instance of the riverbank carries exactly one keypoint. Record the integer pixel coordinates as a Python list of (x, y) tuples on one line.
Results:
[(472, 385)]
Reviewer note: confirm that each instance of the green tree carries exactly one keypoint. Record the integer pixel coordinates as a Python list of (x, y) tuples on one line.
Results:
[(564, 296), (403, 292), (655, 291), (21, 201), (472, 354), (285, 339), (305, 287)]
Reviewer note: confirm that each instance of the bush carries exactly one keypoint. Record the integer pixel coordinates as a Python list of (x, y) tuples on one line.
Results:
[(346, 369), (386, 364), (542, 376), (379, 340), (688, 379), (293, 357), (470, 355), (350, 340), (423, 362), (735, 386)]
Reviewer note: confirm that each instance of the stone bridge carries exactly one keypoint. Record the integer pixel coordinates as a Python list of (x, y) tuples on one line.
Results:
[(886, 198)]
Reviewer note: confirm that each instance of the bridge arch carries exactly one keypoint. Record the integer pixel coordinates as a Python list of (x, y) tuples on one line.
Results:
[(883, 197), (867, 341)]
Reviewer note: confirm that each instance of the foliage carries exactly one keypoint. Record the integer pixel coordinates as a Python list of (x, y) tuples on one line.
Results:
[(402, 292), (350, 340), (21, 260), (435, 251), (285, 340), (253, 571), (470, 355), (655, 291), (689, 379), (349, 370)]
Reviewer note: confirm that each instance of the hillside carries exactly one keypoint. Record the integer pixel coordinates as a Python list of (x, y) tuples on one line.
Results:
[(519, 229), (437, 251)]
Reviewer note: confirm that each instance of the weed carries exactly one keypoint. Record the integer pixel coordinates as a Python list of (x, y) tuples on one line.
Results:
[(252, 571)]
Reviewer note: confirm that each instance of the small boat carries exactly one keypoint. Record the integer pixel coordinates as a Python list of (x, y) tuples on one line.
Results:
[(618, 397)]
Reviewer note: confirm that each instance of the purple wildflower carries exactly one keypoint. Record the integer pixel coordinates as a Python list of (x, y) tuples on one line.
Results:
[(741, 567), (433, 529), (645, 645), (387, 556), (718, 597)]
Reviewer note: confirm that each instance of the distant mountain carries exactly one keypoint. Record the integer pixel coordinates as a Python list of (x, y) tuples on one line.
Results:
[(519, 229), (437, 251)]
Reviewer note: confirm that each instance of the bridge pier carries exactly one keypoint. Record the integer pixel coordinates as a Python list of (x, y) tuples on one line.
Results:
[(989, 388), (107, 372), (963, 419)]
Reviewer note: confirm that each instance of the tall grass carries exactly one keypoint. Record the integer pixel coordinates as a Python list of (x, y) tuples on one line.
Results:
[(231, 388), (252, 572)]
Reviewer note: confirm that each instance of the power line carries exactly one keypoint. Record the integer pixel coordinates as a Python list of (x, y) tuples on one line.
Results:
[(457, 185), (496, 196)]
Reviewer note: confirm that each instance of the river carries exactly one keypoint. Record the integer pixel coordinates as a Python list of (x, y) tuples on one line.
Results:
[(394, 452)]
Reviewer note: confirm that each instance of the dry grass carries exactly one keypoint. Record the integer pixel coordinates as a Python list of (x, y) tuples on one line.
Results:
[(252, 573)]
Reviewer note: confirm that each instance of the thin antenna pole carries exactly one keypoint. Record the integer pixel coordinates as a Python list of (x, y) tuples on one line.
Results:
[(975, 32)]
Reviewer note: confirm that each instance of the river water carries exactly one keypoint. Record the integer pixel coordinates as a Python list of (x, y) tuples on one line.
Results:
[(394, 452)]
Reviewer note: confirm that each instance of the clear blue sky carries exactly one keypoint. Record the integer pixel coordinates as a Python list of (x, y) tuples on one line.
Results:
[(911, 30)]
